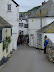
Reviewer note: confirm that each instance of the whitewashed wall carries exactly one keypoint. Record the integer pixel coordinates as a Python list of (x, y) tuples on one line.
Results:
[(1, 52), (37, 22), (47, 20), (12, 17), (34, 25), (50, 36), (6, 34)]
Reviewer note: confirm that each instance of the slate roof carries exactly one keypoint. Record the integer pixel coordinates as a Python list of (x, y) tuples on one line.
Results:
[(47, 29), (4, 23), (15, 3), (23, 17), (45, 10)]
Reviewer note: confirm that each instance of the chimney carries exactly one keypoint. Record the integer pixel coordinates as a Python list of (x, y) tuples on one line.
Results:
[(43, 3)]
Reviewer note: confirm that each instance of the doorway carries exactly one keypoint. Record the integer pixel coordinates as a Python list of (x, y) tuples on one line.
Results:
[(32, 39)]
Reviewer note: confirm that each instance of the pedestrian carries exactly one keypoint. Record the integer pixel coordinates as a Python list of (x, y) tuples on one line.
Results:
[(28, 41), (18, 41), (45, 44), (21, 41)]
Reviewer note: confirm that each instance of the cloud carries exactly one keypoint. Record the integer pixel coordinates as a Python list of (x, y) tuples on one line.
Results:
[(25, 8), (25, 5)]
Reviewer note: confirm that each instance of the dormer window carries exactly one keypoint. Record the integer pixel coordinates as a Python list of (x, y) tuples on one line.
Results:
[(9, 7)]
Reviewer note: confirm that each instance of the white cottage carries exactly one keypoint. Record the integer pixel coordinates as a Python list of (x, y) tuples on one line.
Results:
[(23, 25), (5, 38), (46, 30), (40, 18), (9, 10)]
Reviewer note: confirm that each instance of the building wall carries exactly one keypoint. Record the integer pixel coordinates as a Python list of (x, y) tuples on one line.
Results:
[(9, 50), (12, 17), (47, 20), (50, 36), (6, 34), (1, 52), (34, 25)]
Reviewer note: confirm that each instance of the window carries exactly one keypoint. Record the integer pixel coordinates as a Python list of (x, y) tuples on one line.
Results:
[(11, 31), (25, 25), (9, 7), (20, 24), (20, 32)]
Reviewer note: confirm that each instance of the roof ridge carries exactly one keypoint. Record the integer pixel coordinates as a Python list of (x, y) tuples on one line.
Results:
[(44, 12), (46, 29)]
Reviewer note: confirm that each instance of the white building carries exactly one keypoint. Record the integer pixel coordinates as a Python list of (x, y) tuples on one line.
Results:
[(42, 17), (9, 10), (5, 38), (46, 30), (23, 25)]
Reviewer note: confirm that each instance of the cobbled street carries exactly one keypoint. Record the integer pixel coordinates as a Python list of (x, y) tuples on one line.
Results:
[(27, 59)]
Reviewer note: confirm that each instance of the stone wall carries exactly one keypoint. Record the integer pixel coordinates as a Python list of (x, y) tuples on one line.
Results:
[(50, 52)]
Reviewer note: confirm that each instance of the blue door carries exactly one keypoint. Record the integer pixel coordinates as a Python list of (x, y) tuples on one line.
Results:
[(0, 35)]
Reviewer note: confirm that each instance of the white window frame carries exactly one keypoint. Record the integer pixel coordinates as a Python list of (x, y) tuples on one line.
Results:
[(9, 7)]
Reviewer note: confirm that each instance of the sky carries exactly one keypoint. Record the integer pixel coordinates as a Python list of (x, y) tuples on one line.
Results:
[(25, 5)]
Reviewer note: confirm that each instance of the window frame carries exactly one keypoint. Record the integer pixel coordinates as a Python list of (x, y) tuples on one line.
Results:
[(25, 25), (9, 7), (20, 24)]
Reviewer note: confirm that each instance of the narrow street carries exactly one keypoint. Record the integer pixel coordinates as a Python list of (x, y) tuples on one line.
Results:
[(27, 59)]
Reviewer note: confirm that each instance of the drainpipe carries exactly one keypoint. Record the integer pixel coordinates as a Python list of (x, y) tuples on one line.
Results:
[(40, 19), (18, 18)]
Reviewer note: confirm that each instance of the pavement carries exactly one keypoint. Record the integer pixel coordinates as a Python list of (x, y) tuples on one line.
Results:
[(27, 59)]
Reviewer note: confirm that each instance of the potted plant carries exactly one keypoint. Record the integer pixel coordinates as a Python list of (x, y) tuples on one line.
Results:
[(9, 39), (5, 45)]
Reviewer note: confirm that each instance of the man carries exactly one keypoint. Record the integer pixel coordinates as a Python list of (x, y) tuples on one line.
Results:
[(45, 44)]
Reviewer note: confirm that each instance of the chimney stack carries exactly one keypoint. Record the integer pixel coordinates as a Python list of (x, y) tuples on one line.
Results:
[(43, 3)]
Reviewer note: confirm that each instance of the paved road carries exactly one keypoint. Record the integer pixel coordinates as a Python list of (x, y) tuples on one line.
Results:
[(27, 59)]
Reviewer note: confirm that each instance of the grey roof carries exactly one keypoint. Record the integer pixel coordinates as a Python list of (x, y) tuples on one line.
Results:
[(4, 23), (24, 17), (47, 29), (45, 10)]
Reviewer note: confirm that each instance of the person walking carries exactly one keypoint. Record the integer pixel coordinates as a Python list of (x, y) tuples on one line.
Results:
[(45, 44)]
